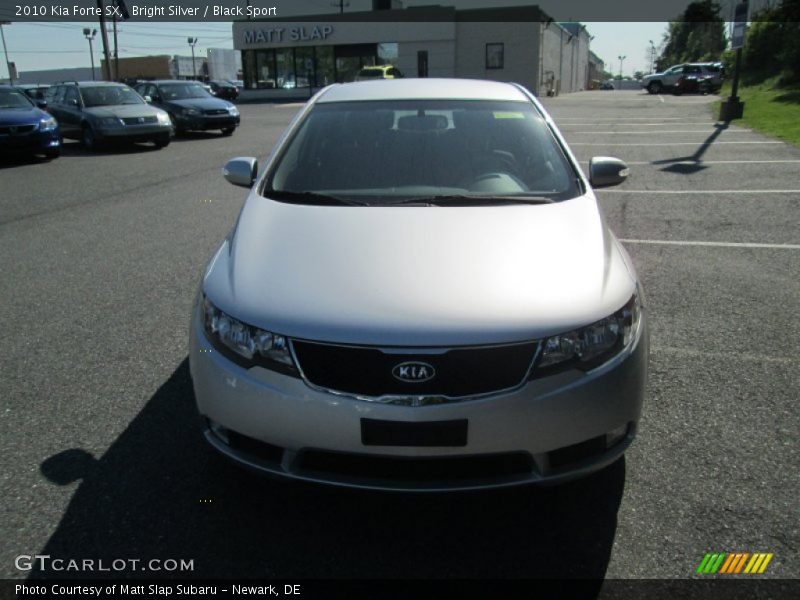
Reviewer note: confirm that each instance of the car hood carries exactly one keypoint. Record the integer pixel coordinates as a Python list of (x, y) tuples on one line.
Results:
[(427, 276), (651, 76), (200, 103), (123, 111), (21, 116)]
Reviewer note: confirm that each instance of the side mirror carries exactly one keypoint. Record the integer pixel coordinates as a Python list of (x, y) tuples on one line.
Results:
[(41, 104), (148, 99), (73, 102), (605, 171), (242, 171)]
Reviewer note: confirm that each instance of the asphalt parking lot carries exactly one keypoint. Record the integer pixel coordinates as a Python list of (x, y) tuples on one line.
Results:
[(100, 450)]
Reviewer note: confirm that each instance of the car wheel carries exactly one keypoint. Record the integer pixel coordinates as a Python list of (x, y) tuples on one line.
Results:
[(53, 153), (178, 130), (162, 142), (654, 87), (228, 130), (88, 139)]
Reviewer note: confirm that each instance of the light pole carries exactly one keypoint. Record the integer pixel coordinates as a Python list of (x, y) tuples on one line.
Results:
[(621, 58), (192, 42), (5, 51), (89, 35), (652, 57)]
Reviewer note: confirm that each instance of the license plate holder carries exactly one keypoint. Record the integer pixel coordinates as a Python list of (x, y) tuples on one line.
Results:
[(376, 432)]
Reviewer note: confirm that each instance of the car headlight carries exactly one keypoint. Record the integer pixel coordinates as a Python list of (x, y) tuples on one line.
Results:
[(191, 112), (593, 345), (244, 344), (163, 118), (109, 122), (47, 123), (234, 111)]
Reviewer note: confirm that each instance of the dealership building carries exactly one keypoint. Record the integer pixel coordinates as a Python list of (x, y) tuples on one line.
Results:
[(282, 58)]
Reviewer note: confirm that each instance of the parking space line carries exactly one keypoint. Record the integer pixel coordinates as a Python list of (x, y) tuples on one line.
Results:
[(713, 244), (664, 143), (700, 131), (617, 191), (704, 162)]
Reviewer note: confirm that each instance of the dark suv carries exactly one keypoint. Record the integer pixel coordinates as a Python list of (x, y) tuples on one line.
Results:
[(190, 106), (95, 112)]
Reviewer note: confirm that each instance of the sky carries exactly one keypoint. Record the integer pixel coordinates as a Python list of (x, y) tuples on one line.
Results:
[(35, 46)]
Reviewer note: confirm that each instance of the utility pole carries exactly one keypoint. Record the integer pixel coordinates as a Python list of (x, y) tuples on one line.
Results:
[(733, 108), (5, 51), (621, 58), (652, 57)]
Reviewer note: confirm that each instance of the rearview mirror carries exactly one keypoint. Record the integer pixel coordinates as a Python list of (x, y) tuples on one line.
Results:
[(605, 171), (242, 171)]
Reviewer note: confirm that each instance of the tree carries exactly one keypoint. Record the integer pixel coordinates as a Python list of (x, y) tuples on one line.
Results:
[(772, 46), (638, 75), (697, 35)]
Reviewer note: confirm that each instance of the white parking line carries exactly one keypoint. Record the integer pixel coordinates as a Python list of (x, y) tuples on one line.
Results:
[(660, 97), (621, 120), (650, 124), (611, 191), (703, 162), (661, 144), (715, 244), (704, 132)]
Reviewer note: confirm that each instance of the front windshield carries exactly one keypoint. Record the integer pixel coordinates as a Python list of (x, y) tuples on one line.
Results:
[(14, 99), (109, 95), (379, 152), (182, 91)]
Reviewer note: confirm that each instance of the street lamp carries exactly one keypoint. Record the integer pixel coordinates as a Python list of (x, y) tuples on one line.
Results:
[(652, 57), (192, 42), (5, 51), (621, 58), (89, 35)]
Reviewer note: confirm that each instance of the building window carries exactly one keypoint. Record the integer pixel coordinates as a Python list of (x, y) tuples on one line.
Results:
[(265, 70), (326, 74), (304, 66), (494, 56)]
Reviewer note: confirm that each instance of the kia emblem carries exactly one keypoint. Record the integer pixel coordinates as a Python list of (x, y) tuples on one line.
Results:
[(413, 372)]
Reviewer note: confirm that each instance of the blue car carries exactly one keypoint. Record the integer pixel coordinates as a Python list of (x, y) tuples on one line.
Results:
[(25, 128)]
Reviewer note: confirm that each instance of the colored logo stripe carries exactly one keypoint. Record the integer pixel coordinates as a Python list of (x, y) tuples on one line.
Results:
[(734, 562)]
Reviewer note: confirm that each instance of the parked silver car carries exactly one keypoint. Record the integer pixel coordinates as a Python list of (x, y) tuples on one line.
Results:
[(710, 72), (421, 293)]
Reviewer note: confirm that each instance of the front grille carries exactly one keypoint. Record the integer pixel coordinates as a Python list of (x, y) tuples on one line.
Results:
[(139, 120), (370, 371), (16, 129), (216, 111)]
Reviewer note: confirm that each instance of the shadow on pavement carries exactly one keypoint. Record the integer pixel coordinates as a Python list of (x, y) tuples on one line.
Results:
[(159, 493), (686, 165)]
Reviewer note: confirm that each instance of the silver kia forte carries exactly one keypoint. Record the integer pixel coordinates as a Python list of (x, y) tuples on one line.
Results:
[(421, 293)]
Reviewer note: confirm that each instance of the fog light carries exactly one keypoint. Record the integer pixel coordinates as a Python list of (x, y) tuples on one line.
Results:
[(614, 436), (219, 431)]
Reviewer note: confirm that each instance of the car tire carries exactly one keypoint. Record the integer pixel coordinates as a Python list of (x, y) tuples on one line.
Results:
[(162, 142), (654, 87), (228, 130), (53, 153), (88, 139), (178, 130)]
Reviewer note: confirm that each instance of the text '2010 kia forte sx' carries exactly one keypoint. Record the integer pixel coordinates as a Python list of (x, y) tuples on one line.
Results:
[(421, 293)]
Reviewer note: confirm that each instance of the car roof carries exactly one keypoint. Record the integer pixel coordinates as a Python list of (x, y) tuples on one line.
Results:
[(160, 81), (90, 83), (418, 89)]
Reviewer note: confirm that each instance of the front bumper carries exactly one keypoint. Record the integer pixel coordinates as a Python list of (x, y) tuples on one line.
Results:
[(135, 133), (35, 141), (206, 122), (550, 430)]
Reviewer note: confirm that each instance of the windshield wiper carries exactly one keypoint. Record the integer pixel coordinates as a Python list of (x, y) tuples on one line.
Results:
[(311, 198), (465, 200)]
